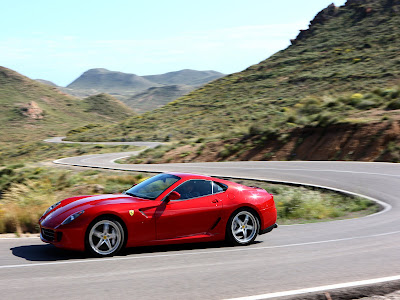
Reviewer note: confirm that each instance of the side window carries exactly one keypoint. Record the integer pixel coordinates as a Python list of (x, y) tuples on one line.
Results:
[(194, 189), (218, 187)]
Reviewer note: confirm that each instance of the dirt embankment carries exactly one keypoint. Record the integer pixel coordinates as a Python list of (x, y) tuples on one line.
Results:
[(359, 142)]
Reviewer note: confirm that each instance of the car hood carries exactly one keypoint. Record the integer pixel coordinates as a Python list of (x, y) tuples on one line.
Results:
[(70, 206)]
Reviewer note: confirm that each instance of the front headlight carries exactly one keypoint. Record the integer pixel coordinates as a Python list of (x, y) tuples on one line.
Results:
[(72, 217), (51, 208)]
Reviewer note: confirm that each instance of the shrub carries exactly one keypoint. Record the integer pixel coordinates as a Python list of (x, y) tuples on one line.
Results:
[(255, 129), (395, 104), (366, 104)]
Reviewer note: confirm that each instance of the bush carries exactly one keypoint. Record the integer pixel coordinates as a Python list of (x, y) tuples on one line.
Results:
[(366, 104), (395, 104)]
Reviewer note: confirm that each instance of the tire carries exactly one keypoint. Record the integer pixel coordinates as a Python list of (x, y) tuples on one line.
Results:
[(105, 237), (242, 227)]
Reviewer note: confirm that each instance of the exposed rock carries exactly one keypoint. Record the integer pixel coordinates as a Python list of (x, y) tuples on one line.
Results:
[(323, 16), (32, 111)]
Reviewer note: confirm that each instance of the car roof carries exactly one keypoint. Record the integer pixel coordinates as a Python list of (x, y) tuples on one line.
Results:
[(186, 176), (190, 176)]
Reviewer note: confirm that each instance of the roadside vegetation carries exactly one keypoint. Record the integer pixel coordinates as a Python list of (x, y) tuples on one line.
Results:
[(298, 204), (26, 192)]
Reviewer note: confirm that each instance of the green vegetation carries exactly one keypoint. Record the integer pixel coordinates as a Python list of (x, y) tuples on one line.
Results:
[(27, 192), (107, 105), (304, 204), (347, 51)]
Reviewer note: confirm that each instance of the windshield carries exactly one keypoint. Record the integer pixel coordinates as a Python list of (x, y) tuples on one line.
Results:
[(153, 187)]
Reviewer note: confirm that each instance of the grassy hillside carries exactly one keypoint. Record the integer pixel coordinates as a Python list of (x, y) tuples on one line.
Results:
[(156, 97), (106, 105), (187, 77), (31, 110), (344, 64)]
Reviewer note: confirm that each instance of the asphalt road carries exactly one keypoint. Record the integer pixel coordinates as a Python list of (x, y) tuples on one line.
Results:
[(289, 258)]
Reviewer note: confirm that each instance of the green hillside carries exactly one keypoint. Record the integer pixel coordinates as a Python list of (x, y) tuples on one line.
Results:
[(106, 105), (31, 110), (156, 97), (353, 49), (187, 77)]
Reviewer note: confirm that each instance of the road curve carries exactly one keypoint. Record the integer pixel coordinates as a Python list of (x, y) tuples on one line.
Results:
[(289, 258)]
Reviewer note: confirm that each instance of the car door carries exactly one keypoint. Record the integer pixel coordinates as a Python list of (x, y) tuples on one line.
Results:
[(194, 213)]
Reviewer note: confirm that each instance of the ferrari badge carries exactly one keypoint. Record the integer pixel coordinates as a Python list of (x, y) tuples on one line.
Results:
[(131, 212)]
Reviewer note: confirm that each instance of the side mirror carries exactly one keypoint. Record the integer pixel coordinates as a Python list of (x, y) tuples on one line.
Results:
[(173, 196)]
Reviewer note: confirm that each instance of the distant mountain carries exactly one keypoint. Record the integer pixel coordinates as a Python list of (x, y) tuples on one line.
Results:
[(128, 87), (187, 77), (46, 82), (31, 110), (103, 80), (156, 97)]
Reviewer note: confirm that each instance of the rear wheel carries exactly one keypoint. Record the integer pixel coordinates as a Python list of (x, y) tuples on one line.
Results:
[(242, 227), (105, 237)]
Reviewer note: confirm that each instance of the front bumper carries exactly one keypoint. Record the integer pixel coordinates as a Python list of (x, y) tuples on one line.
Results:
[(68, 238)]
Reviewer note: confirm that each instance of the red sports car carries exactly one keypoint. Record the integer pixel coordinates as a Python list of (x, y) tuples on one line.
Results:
[(165, 209)]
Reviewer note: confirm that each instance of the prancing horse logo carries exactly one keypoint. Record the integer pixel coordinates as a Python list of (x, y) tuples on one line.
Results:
[(131, 212)]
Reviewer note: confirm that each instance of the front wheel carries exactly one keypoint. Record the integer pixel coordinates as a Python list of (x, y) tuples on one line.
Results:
[(242, 227), (105, 237)]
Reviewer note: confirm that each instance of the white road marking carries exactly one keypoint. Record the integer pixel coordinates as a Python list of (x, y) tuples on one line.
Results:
[(319, 288), (239, 249)]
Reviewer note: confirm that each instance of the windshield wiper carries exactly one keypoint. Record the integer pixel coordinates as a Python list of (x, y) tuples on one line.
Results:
[(130, 194)]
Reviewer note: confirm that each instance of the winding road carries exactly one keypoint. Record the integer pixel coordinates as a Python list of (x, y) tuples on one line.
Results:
[(289, 261)]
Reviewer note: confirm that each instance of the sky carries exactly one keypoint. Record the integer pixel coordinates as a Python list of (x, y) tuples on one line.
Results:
[(59, 40)]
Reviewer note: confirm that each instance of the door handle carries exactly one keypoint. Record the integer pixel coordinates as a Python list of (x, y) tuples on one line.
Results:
[(215, 201)]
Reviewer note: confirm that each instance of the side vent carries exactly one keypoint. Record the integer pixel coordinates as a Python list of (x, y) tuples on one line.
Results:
[(215, 224)]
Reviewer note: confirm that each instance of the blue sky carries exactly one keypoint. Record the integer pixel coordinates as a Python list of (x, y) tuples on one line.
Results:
[(59, 40)]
